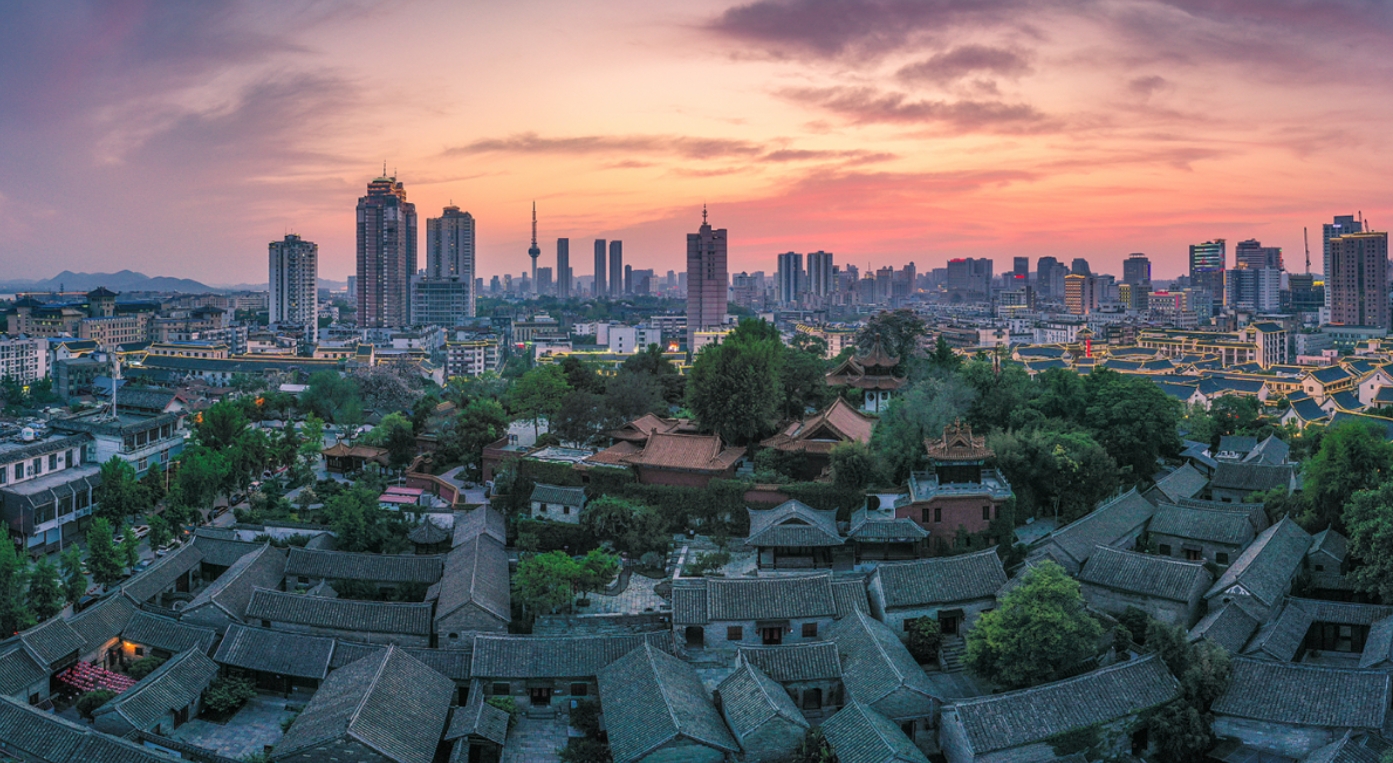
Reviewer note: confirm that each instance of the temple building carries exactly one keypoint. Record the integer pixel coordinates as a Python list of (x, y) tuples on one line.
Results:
[(961, 494), (872, 373)]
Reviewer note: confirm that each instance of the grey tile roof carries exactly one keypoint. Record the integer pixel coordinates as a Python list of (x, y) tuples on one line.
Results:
[(941, 580), (1267, 565), (1305, 695), (1160, 577), (174, 685), (866, 528), (377, 568), (1230, 528), (793, 523), (1239, 444), (1282, 637), (556, 656), (1351, 748), (750, 699), (271, 651), (349, 652), (412, 619), (37, 735), (478, 719), (1185, 482), (651, 698), (858, 734), (484, 520), (1252, 476), (1329, 542), (103, 622), (850, 596), (770, 598), (1229, 627), (1378, 647), (1255, 512), (222, 552), (429, 533), (1273, 450), (51, 641), (389, 702), (877, 668), (475, 572), (166, 633), (559, 494), (1105, 525), (232, 591), (1004, 721), (810, 661), (162, 574), (454, 664), (19, 671)]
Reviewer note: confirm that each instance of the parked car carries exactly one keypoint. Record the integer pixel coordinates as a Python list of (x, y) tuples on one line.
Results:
[(141, 530)]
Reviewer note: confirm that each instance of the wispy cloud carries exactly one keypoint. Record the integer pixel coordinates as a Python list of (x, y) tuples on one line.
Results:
[(865, 105), (959, 62)]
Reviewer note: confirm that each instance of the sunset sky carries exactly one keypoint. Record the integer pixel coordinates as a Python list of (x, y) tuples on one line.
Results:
[(178, 138)]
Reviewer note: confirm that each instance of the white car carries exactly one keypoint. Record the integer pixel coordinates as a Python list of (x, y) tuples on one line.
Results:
[(141, 530)]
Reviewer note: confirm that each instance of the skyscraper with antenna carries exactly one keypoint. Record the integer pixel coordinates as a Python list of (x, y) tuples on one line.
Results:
[(534, 251)]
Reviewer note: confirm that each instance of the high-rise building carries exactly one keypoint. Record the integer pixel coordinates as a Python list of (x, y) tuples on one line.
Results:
[(600, 288), (1080, 266), (1342, 225), (1207, 264), (616, 269), (386, 255), (1020, 268), (790, 283), (1253, 289), (1252, 254), (821, 278), (294, 283), (1049, 278), (1357, 284), (543, 282), (706, 279), (1080, 293), (1136, 269), (446, 301), (450, 254), (970, 277), (563, 268)]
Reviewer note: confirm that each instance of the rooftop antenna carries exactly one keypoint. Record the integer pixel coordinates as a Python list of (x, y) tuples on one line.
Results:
[(703, 213), (1306, 239), (534, 251), (384, 168)]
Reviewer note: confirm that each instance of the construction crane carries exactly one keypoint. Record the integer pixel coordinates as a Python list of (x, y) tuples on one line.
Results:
[(1307, 240)]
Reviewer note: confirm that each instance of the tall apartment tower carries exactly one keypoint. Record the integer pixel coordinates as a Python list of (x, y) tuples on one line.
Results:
[(1049, 278), (1207, 264), (1080, 293), (1020, 268), (1357, 283), (1342, 225), (707, 278), (386, 255), (1080, 266), (1253, 255), (790, 283), (616, 268), (450, 244), (294, 297), (563, 268), (600, 287), (1136, 269), (821, 278)]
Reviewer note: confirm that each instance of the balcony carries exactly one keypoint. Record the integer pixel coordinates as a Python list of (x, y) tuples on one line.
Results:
[(924, 486)]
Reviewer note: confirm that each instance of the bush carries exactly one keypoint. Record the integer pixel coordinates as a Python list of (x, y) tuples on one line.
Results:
[(584, 750), (556, 536), (144, 667), (228, 693), (585, 717), (925, 637), (707, 562), (89, 702), (508, 705)]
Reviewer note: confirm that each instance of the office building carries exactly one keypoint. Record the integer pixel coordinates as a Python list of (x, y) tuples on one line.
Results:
[(1136, 269), (970, 277), (1252, 254), (1342, 225), (790, 283), (563, 268), (1207, 264), (1020, 268), (1080, 293), (386, 255), (543, 283), (601, 287), (1253, 290), (446, 302), (821, 274), (450, 244), (707, 279), (1049, 278), (616, 269), (294, 283), (1080, 266), (1357, 286)]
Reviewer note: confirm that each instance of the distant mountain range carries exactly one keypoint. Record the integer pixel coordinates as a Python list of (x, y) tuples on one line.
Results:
[(129, 280)]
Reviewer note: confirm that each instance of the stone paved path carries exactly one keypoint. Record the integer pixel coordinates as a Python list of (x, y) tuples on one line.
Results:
[(635, 599), (255, 726), (535, 739)]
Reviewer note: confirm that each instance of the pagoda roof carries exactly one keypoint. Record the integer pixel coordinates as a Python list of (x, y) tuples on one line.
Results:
[(959, 444)]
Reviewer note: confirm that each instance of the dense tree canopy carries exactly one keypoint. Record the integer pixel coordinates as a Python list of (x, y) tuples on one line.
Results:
[(735, 388), (1353, 456), (1055, 471), (899, 332), (919, 412)]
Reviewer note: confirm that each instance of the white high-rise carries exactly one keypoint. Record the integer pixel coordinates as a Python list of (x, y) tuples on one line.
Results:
[(294, 283), (450, 251), (820, 277)]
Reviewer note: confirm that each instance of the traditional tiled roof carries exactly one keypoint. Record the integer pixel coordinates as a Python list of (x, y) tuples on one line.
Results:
[(1105, 525), (558, 494), (1351, 748), (1282, 637), (38, 735), (1230, 528), (377, 568), (1309, 410), (173, 686), (616, 454), (476, 572), (1273, 450), (1159, 577), (1306, 695), (1252, 476), (1185, 482), (221, 552), (771, 598), (103, 621), (1330, 542), (1330, 374), (877, 668), (388, 702), (652, 698), (1378, 647), (166, 633), (1240, 445), (478, 719), (750, 699), (146, 399), (484, 520), (941, 580), (1267, 565), (340, 614), (19, 671), (1229, 626), (868, 528), (859, 734), (810, 661), (270, 651), (849, 595), (556, 656), (836, 424), (1255, 512), (429, 533), (686, 452), (51, 641), (230, 593), (958, 444), (793, 523), (161, 575), (1028, 716), (451, 663)]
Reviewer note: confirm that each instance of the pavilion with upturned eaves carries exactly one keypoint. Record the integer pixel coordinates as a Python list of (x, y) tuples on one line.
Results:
[(873, 373)]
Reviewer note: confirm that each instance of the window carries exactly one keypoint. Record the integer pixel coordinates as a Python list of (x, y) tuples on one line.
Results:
[(1164, 549), (142, 464), (501, 689), (52, 461), (580, 689), (140, 651), (36, 467), (1320, 568), (565, 509), (4, 472), (924, 516), (1221, 558), (809, 630), (19, 471), (938, 515), (735, 633), (986, 513)]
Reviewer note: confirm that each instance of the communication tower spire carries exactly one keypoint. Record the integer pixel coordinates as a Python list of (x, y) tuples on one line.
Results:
[(534, 251)]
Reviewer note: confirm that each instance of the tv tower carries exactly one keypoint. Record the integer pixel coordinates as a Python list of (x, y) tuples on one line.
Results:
[(534, 251)]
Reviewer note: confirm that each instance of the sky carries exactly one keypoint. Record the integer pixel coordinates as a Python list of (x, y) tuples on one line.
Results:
[(179, 138)]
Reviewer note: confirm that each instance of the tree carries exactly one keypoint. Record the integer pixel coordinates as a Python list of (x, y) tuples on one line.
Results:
[(380, 434), (46, 596), (853, 466), (943, 359), (537, 394), (1183, 730), (311, 439), (543, 583), (130, 547), (74, 582), (580, 418), (202, 474), (385, 388), (1132, 419), (1003, 395), (144, 667), (1353, 456), (812, 749), (581, 376), (15, 612), (631, 394), (734, 388), (90, 701), (1050, 470), (160, 532), (103, 557), (899, 332), (597, 568), (479, 423), (921, 412), (218, 427), (333, 397), (807, 343), (651, 362), (119, 495), (227, 693), (1040, 632), (925, 637), (359, 524), (1369, 519), (401, 448), (804, 380)]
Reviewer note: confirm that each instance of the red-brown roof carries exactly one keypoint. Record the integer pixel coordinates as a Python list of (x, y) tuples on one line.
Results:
[(640, 428), (341, 449), (877, 357), (688, 452), (616, 454), (959, 444), (836, 424)]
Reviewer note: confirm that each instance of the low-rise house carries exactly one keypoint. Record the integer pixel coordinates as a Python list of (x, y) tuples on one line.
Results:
[(816, 436), (1170, 590), (100, 626), (1197, 534), (537, 670), (387, 707), (484, 520), (761, 715), (1256, 513), (960, 496), (1292, 710), (431, 537), (220, 549), (169, 579), (690, 460), (1314, 626), (1378, 646), (793, 535), (717, 613), (811, 673), (1263, 574), (278, 661), (151, 635), (1352, 748), (557, 503), (53, 644), (1234, 482), (859, 734), (876, 535), (225, 600), (1116, 523), (162, 701), (1323, 382), (879, 671), (389, 572), (31, 734), (402, 623), (1019, 726), (1229, 626), (656, 709), (21, 677), (473, 595), (954, 590), (478, 730), (1325, 562), (1185, 482)]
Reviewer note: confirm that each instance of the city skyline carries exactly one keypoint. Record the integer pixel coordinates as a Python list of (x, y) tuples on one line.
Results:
[(883, 132)]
